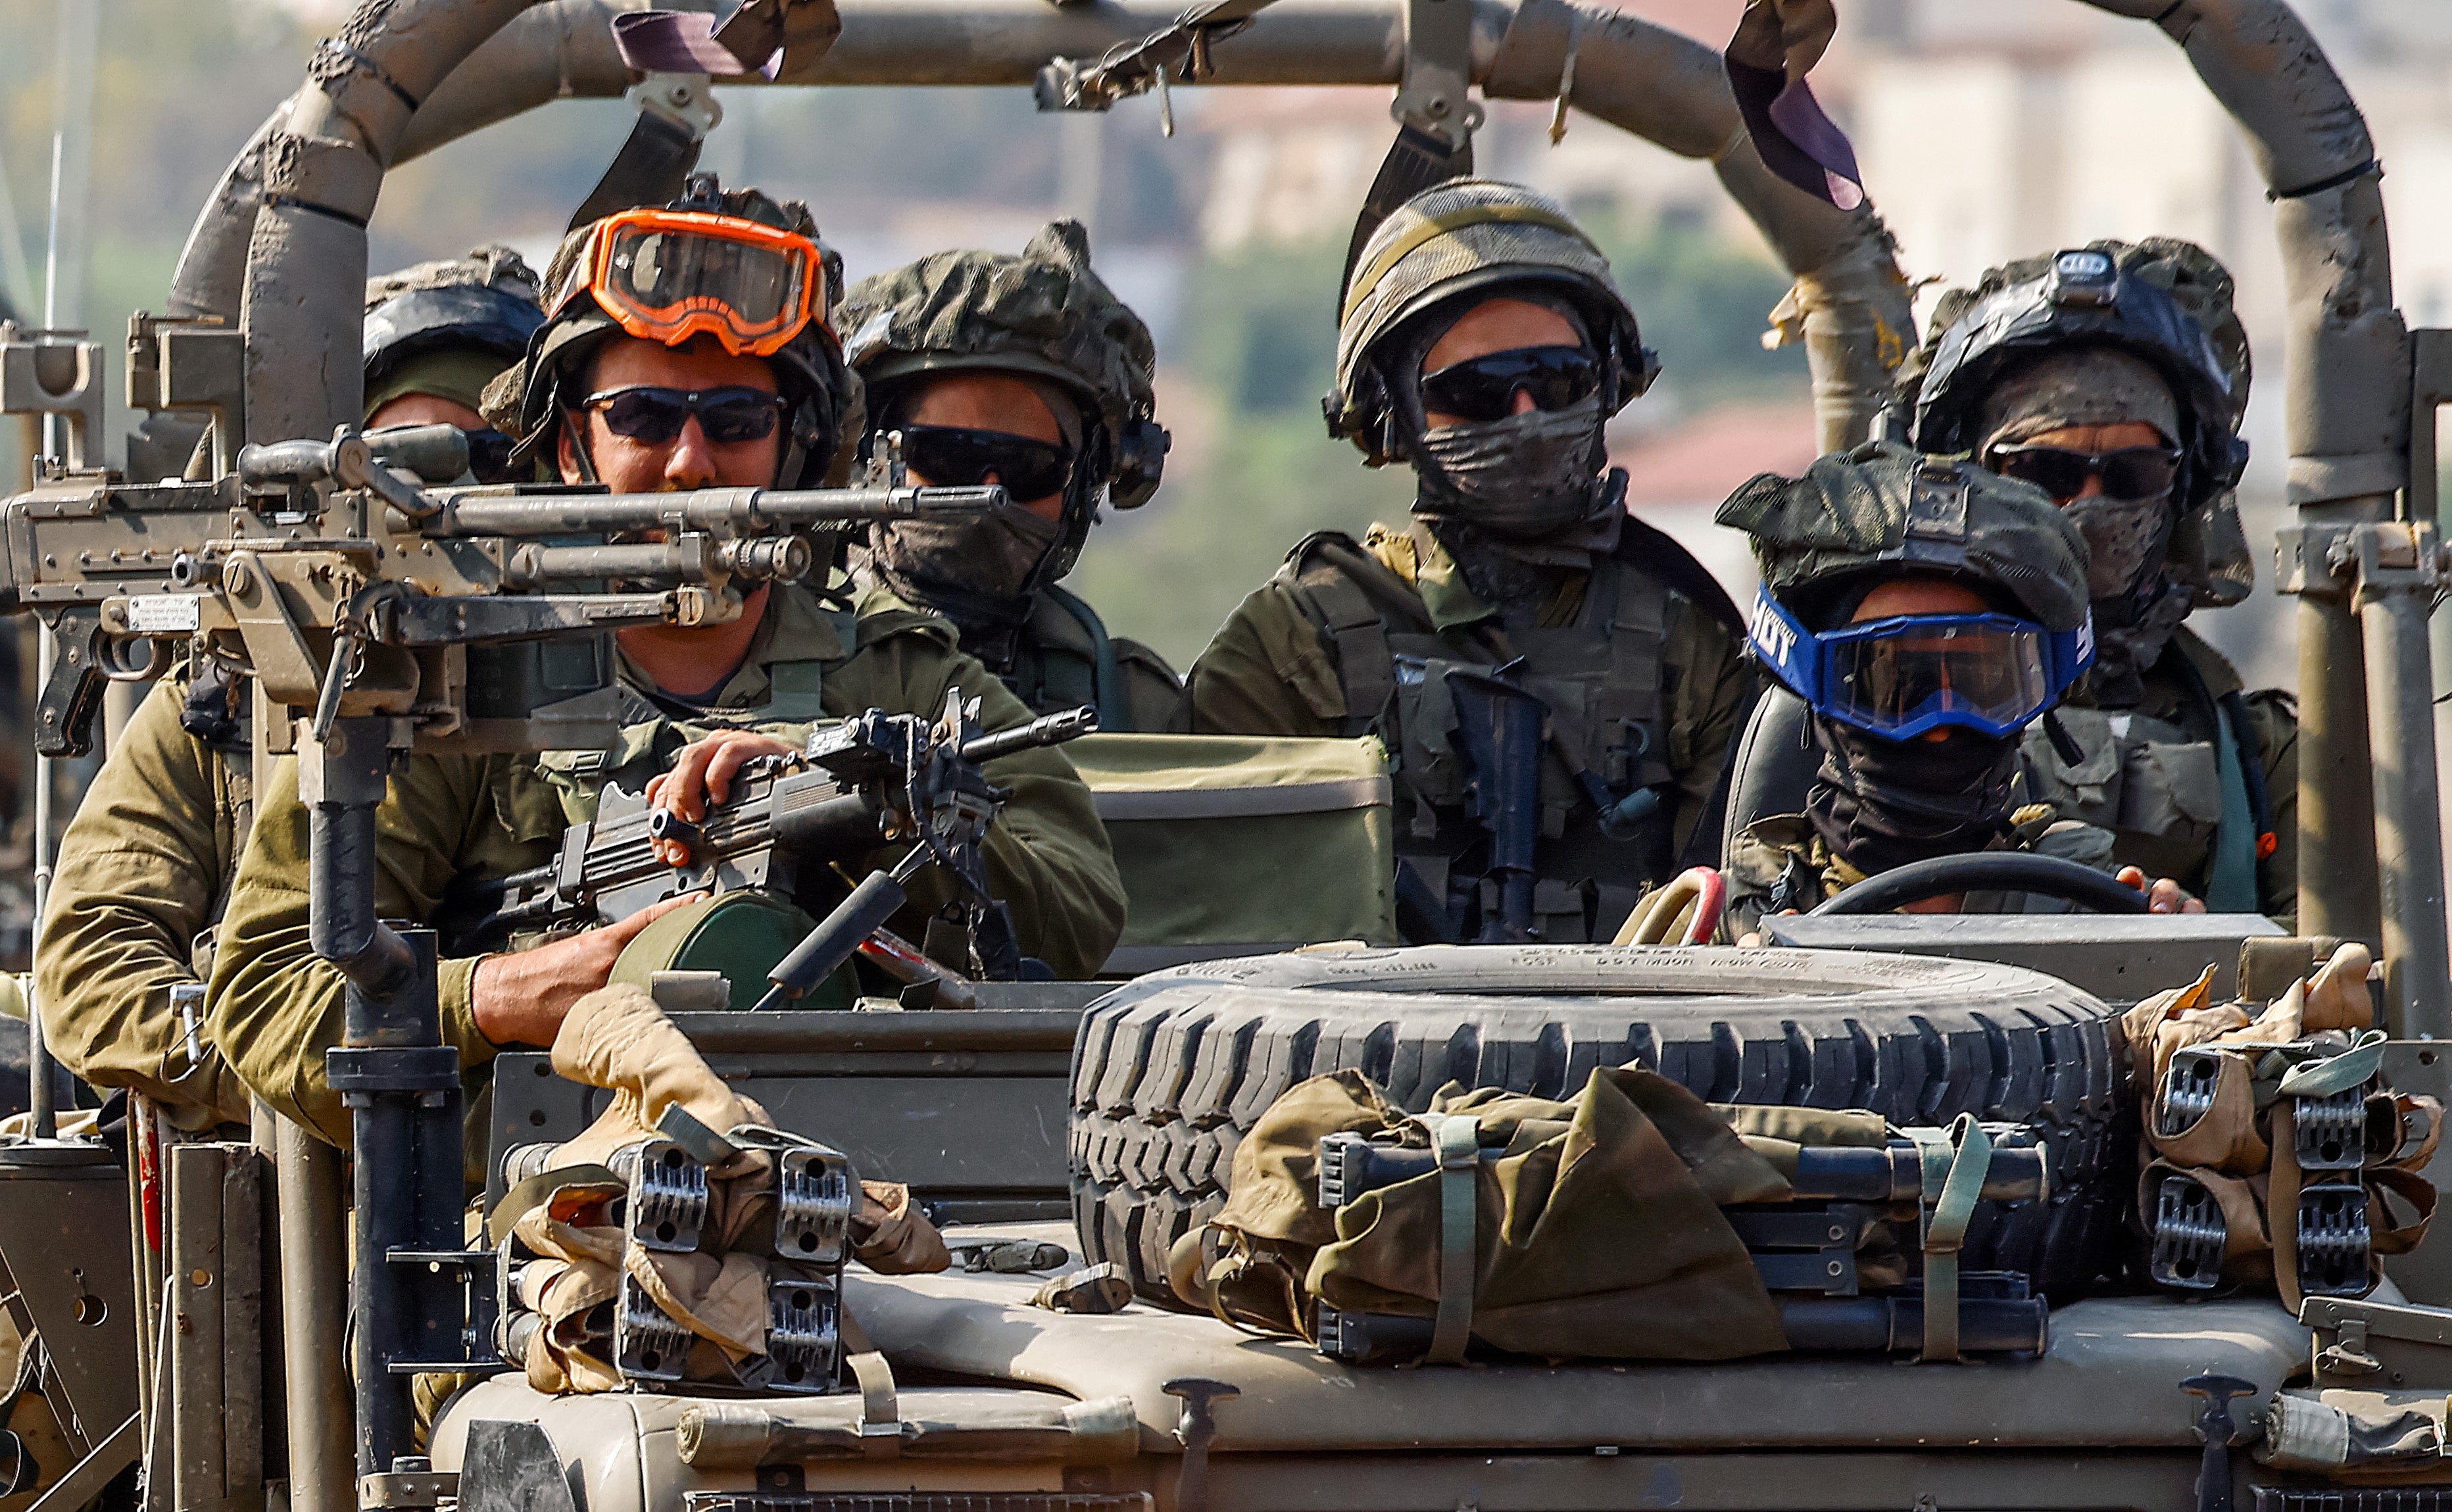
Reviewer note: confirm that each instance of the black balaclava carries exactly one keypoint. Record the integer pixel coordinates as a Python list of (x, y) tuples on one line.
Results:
[(1515, 500), (2137, 606), (1879, 803), (983, 572)]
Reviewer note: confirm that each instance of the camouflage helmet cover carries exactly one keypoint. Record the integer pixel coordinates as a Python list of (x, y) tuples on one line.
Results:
[(1881, 509), (2204, 356), (1044, 313), (526, 402), (1456, 238), (489, 303)]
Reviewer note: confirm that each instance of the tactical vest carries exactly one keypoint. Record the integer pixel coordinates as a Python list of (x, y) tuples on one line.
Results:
[(2185, 803), (1605, 737)]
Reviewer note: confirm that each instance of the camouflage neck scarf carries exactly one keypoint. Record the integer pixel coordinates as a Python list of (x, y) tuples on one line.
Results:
[(2131, 634), (1523, 476), (978, 572)]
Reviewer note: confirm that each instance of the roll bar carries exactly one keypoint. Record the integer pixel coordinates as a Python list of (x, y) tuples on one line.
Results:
[(473, 63)]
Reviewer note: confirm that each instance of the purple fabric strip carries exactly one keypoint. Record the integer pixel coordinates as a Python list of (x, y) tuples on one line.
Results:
[(1796, 140), (678, 42)]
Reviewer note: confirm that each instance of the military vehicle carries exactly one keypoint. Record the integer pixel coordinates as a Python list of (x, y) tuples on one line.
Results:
[(1060, 1126)]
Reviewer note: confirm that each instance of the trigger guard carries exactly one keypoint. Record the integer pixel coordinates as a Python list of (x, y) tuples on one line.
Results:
[(110, 656)]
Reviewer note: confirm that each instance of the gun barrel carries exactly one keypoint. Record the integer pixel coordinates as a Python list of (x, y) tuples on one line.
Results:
[(689, 557), (1048, 729), (742, 510)]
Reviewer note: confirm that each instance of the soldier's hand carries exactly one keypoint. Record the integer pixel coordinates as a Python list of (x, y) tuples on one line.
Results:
[(702, 774), (2164, 897), (521, 998)]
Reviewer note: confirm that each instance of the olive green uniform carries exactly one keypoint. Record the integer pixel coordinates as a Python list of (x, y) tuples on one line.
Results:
[(448, 820), (142, 871), (1276, 668), (1780, 865), (2153, 774), (1057, 657)]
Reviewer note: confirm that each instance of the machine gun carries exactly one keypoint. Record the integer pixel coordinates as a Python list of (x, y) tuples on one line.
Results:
[(479, 616), (860, 784), (375, 618)]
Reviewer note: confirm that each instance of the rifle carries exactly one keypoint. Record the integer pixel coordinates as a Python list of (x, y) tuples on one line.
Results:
[(858, 785), (1499, 736)]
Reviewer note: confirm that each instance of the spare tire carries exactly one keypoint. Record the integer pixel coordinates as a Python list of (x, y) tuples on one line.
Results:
[(1171, 1069)]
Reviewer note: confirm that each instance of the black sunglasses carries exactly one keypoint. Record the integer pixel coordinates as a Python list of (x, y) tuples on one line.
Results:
[(1484, 388), (956, 457), (655, 415), (489, 457), (2129, 473)]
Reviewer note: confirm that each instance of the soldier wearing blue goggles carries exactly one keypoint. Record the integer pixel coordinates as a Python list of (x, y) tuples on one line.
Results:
[(1902, 677)]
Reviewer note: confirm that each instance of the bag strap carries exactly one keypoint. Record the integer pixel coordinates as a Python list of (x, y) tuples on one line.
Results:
[(1328, 588), (1106, 677), (1457, 1139), (2231, 882), (1954, 1162), (881, 1408)]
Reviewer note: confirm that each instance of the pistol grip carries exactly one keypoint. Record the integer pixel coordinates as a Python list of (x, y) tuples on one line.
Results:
[(73, 692)]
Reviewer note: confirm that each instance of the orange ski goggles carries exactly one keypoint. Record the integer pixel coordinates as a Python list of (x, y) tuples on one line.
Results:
[(668, 275)]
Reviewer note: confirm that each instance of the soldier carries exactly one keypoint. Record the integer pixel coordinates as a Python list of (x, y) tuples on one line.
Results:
[(145, 865), (1927, 613), (1484, 344), (436, 334), (2114, 378), (1025, 371), (723, 373)]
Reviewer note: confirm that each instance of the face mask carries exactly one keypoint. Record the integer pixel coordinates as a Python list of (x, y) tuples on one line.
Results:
[(1526, 475), (981, 564), (2130, 633), (2125, 540), (1880, 804)]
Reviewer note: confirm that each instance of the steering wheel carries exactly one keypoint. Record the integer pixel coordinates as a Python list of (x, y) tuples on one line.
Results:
[(1989, 872)]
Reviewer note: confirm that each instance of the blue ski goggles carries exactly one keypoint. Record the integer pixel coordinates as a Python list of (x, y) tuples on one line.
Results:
[(1902, 677)]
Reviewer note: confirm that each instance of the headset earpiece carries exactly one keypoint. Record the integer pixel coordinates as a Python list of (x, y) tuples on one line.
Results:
[(1140, 462)]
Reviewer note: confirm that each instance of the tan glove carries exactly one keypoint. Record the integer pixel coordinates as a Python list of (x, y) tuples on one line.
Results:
[(617, 1037), (891, 1236)]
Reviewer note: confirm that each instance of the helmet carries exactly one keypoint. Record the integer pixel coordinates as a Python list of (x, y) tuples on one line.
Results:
[(1881, 512), (2166, 302), (480, 310), (529, 400), (1468, 237), (1043, 316)]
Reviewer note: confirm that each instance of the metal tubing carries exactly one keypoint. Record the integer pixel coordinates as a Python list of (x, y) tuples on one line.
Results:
[(43, 1114), (314, 1321), (1661, 85), (2409, 840), (323, 167), (2346, 401), (406, 1197), (341, 779)]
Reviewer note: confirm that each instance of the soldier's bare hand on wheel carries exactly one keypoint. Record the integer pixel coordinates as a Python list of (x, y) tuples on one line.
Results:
[(702, 774), (2164, 897), (521, 998)]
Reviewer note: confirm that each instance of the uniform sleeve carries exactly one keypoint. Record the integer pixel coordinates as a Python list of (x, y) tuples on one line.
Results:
[(139, 873), (1268, 671), (275, 1006), (1713, 690), (1047, 856), (2275, 717)]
